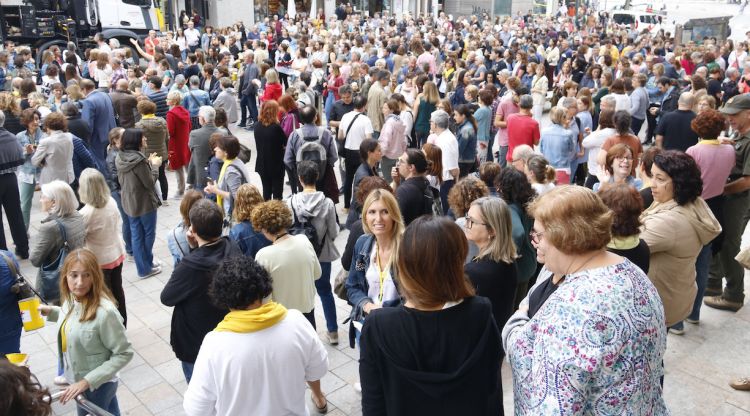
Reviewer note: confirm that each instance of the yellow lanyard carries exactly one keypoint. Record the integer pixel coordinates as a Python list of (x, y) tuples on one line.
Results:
[(381, 273)]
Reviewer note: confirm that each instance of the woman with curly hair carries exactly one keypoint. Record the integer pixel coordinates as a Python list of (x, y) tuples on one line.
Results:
[(626, 204), (290, 259), (258, 358), (22, 393), (675, 228), (249, 240), (460, 197), (514, 188)]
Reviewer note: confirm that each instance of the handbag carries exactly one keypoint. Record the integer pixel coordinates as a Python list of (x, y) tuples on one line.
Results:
[(50, 273), (339, 287), (341, 143), (20, 287)]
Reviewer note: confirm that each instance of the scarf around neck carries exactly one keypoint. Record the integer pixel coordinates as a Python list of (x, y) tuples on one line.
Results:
[(258, 319)]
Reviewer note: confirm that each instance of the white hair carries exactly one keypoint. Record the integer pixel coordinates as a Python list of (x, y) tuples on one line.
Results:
[(65, 202), (207, 113)]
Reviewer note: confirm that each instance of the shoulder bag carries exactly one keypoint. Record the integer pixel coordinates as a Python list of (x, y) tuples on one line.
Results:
[(50, 273), (342, 143)]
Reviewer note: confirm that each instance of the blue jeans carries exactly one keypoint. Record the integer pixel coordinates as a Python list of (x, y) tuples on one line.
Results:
[(702, 265), (187, 370), (328, 106), (445, 187), (26, 191), (502, 155), (103, 397), (125, 223), (323, 287), (143, 233)]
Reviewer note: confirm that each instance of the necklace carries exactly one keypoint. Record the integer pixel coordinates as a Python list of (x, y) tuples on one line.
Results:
[(279, 237), (581, 266)]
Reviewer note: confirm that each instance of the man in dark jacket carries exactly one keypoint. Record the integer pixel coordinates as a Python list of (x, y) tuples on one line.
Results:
[(11, 157), (76, 125), (158, 96), (194, 314), (671, 97), (249, 91), (410, 193), (100, 116), (124, 103), (199, 149)]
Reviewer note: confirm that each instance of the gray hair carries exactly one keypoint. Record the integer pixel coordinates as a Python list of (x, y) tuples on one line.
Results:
[(526, 101), (732, 71), (207, 113), (179, 79), (65, 202), (503, 74), (174, 96), (610, 100), (195, 81), (345, 89), (440, 118), (568, 102), (69, 109), (2, 118)]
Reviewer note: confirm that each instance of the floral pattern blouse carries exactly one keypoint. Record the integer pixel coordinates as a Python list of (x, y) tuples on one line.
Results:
[(594, 348)]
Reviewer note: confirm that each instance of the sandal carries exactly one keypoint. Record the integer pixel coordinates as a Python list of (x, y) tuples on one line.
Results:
[(323, 409)]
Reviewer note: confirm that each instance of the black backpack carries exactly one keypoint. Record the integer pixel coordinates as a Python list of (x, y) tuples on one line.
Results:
[(304, 226)]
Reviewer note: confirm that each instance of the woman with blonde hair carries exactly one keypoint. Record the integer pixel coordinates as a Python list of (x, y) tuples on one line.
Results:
[(424, 105), (92, 344), (493, 270), (249, 240), (373, 282), (272, 87), (103, 226)]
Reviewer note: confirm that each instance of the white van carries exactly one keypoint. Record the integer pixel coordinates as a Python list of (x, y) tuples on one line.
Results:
[(638, 20)]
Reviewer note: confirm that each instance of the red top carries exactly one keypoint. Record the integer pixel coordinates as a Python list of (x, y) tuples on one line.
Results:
[(334, 84), (272, 92), (178, 126), (522, 129)]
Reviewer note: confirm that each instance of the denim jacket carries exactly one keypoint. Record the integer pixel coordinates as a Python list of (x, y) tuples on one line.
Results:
[(467, 142), (28, 173), (249, 240), (558, 145), (177, 243), (356, 283)]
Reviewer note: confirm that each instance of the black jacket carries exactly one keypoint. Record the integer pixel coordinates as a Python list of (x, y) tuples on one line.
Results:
[(443, 362), (411, 199), (194, 314), (81, 129), (670, 103)]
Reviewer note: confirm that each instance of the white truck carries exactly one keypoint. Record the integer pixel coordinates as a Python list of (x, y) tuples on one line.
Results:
[(43, 23)]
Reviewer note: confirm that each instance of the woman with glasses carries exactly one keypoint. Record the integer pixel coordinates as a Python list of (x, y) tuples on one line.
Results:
[(591, 332), (493, 270), (618, 168), (676, 227)]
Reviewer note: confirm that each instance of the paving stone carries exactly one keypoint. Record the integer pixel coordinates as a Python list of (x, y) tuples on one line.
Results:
[(140, 378)]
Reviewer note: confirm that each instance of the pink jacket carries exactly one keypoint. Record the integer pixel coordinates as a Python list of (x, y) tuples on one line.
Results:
[(393, 141)]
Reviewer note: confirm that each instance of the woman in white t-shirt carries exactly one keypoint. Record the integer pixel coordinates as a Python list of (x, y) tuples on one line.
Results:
[(541, 174)]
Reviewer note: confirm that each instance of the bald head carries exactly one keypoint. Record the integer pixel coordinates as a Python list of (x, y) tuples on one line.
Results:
[(122, 85), (686, 101)]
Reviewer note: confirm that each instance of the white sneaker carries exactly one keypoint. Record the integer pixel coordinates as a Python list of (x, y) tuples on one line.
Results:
[(154, 271), (358, 387), (61, 381), (333, 338), (157, 263)]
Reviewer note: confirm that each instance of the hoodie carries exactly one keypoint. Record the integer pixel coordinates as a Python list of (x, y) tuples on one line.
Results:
[(439, 362), (194, 314), (321, 210), (675, 234), (227, 100), (137, 179)]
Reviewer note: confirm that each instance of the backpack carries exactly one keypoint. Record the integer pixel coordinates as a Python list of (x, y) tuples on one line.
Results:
[(304, 226), (312, 149), (432, 203)]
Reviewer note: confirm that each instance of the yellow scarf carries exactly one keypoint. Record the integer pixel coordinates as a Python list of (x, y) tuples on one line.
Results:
[(241, 321), (223, 170), (624, 243)]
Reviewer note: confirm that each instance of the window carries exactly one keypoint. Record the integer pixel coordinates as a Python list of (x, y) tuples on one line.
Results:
[(141, 3), (623, 19)]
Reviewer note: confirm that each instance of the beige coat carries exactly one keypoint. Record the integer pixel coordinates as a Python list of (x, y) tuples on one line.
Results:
[(675, 235), (103, 231)]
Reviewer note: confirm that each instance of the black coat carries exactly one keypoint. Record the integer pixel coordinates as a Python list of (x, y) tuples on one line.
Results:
[(670, 103), (270, 142), (81, 129), (194, 314), (411, 198)]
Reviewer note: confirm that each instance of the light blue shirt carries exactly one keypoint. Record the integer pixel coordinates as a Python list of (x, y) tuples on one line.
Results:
[(558, 145)]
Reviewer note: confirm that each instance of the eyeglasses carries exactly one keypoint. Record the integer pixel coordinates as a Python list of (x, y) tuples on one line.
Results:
[(630, 158), (536, 236), (470, 222), (402, 162)]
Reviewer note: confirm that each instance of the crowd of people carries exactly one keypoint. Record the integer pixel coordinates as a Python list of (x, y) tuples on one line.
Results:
[(570, 244)]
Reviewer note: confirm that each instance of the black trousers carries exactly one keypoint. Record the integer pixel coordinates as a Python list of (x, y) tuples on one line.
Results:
[(163, 180), (10, 200), (273, 183), (351, 164), (113, 280), (311, 318)]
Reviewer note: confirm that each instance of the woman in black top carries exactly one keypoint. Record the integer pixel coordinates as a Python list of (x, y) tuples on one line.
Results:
[(439, 353), (493, 271), (270, 140), (627, 205), (370, 154)]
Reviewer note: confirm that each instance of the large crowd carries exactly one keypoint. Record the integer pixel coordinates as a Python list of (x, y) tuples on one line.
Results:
[(479, 228)]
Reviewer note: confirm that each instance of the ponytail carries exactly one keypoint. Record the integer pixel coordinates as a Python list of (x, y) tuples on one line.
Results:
[(551, 174)]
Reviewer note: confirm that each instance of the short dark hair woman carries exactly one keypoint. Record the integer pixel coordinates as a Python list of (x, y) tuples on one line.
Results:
[(370, 154), (261, 352), (675, 228), (588, 305), (408, 357), (627, 205), (137, 175), (233, 173)]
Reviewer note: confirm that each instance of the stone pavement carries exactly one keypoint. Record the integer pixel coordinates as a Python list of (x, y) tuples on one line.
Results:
[(698, 365)]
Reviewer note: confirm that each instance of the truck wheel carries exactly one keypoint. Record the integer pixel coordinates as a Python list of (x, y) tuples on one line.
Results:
[(63, 44)]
